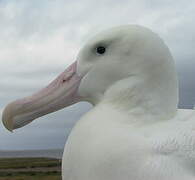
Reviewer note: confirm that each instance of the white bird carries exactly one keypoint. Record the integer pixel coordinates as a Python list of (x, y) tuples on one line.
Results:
[(135, 130)]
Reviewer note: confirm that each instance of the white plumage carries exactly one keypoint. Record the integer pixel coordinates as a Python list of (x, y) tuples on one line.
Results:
[(134, 131)]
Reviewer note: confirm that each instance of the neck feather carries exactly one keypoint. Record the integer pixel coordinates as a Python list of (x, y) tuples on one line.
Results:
[(144, 97)]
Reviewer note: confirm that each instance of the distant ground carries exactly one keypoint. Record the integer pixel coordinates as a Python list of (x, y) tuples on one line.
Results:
[(30, 169), (48, 153)]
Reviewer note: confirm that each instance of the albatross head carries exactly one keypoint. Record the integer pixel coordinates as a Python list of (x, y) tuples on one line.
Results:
[(128, 67)]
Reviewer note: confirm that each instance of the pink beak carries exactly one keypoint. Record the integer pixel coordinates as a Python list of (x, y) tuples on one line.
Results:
[(58, 94)]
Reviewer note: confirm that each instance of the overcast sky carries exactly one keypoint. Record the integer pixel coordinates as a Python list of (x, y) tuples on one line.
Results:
[(39, 39)]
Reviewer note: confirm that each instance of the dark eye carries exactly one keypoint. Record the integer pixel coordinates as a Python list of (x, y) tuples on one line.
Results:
[(100, 50)]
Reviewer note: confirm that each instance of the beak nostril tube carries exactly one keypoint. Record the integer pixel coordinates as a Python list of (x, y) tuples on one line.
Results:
[(68, 78)]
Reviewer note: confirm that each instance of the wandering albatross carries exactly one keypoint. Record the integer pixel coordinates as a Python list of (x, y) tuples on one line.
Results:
[(135, 130)]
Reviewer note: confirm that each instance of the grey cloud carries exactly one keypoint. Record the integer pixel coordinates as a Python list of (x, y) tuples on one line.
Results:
[(186, 73)]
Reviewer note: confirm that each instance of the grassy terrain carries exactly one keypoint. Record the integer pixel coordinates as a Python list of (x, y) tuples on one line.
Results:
[(30, 169)]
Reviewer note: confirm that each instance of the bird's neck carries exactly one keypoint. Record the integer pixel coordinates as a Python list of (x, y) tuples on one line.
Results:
[(142, 98)]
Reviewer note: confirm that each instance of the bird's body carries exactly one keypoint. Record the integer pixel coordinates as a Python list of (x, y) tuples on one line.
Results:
[(110, 145), (135, 130)]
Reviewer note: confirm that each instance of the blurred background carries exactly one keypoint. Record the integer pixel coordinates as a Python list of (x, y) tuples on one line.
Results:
[(39, 39)]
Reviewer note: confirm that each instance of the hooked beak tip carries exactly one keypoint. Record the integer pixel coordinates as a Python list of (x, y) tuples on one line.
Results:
[(7, 118)]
